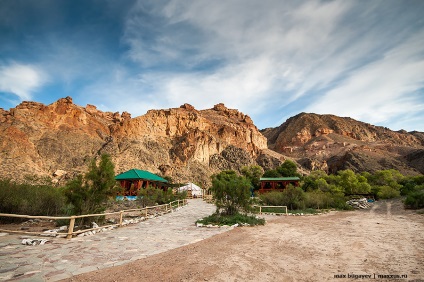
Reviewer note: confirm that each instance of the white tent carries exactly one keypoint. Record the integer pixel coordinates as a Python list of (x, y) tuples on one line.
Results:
[(195, 190)]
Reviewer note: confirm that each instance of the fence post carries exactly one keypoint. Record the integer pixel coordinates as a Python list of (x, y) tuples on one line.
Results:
[(121, 213), (260, 209), (166, 208), (71, 227), (146, 211), (178, 203)]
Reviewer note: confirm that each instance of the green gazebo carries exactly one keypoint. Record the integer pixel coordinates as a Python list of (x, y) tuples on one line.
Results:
[(135, 179), (269, 184)]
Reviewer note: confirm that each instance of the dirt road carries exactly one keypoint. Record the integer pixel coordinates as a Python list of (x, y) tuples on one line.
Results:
[(385, 240)]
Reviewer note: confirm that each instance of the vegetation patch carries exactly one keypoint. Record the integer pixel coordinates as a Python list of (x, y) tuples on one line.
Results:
[(30, 199), (223, 219), (152, 196), (413, 189)]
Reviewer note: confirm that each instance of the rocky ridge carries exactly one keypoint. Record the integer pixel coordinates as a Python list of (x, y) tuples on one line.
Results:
[(333, 143), (183, 143)]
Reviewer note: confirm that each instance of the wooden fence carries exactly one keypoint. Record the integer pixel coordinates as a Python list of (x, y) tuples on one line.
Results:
[(260, 209), (143, 211), (208, 198)]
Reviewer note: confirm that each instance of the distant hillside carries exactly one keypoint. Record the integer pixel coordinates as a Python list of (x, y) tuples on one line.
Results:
[(334, 143)]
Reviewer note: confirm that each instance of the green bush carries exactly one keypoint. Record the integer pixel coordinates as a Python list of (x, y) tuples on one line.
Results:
[(89, 193), (31, 199), (220, 219), (292, 197), (296, 200), (411, 184), (415, 199), (272, 199), (151, 196), (318, 200), (231, 192), (387, 192)]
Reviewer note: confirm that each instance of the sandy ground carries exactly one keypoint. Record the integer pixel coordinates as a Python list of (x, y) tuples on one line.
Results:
[(385, 240)]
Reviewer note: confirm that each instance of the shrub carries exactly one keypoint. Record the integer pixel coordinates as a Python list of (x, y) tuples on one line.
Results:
[(231, 192), (415, 199), (151, 196), (295, 199), (410, 184), (272, 199), (220, 219), (387, 192), (253, 173), (31, 199), (292, 197), (318, 199), (88, 194)]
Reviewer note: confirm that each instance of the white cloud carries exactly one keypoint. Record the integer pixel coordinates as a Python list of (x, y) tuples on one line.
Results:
[(264, 57), (262, 49), (382, 90), (21, 79)]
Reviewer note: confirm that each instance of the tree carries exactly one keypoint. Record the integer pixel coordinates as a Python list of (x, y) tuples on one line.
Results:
[(315, 180), (88, 193), (352, 183), (288, 169), (231, 192), (253, 173), (386, 183), (271, 173)]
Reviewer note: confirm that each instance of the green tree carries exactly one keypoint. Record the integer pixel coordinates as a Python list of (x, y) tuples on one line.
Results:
[(411, 184), (253, 173), (271, 173), (389, 177), (315, 180), (352, 183), (288, 169), (386, 183), (415, 199), (231, 192), (88, 193)]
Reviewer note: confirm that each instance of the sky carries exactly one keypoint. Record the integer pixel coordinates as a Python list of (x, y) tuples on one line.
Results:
[(270, 59)]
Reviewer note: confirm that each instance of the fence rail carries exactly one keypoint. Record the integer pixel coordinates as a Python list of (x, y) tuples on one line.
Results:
[(260, 209), (167, 207)]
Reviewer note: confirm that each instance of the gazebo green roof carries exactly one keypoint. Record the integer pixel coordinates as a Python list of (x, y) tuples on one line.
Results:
[(279, 178), (139, 174)]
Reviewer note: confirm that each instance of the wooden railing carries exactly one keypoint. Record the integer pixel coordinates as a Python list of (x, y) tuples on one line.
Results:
[(260, 209), (208, 199), (145, 211)]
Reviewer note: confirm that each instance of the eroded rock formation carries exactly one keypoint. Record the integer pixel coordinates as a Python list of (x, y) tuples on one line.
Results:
[(182, 143)]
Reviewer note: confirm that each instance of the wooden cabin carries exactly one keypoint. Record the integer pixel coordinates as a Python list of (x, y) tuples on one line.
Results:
[(277, 183), (133, 180)]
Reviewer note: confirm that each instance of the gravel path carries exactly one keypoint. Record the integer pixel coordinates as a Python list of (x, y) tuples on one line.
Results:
[(61, 258)]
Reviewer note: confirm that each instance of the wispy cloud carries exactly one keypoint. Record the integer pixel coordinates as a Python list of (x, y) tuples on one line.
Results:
[(21, 80), (245, 54), (264, 57), (389, 88)]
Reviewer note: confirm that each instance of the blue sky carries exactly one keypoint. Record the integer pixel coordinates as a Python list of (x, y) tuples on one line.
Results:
[(270, 59)]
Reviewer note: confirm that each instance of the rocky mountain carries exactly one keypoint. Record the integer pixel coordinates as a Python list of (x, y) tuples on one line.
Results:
[(333, 143), (183, 143)]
